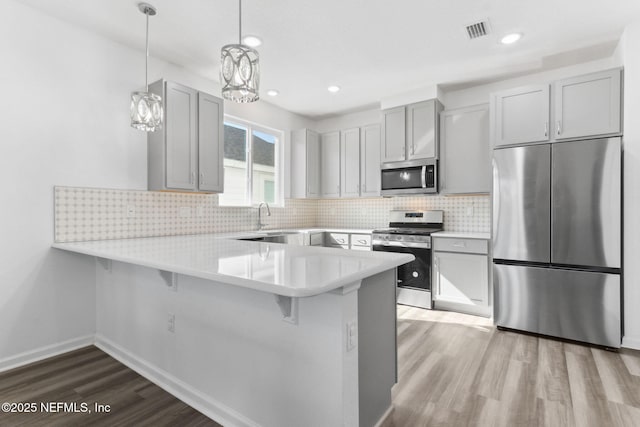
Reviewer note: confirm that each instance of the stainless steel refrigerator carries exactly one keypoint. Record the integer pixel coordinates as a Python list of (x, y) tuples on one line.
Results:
[(557, 239)]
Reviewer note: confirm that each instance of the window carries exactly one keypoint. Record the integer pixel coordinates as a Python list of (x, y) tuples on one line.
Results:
[(252, 164)]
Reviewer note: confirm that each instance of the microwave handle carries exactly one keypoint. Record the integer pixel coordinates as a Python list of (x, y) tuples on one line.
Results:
[(424, 176)]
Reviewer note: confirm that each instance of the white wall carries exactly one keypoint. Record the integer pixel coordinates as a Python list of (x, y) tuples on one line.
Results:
[(631, 56), (65, 121), (351, 120)]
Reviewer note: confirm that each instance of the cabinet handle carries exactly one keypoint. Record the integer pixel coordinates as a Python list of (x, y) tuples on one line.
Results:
[(341, 241), (362, 241), (201, 178), (559, 127), (193, 178), (546, 129)]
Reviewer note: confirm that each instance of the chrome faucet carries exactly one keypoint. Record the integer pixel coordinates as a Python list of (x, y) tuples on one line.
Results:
[(260, 224)]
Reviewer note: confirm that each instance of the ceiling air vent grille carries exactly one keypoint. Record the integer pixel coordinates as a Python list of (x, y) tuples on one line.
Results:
[(477, 30)]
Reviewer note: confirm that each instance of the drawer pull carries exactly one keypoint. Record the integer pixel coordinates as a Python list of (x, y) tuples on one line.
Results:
[(363, 242)]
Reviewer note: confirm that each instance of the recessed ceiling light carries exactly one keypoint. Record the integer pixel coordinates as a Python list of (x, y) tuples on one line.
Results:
[(273, 92), (511, 38), (252, 41), (333, 89)]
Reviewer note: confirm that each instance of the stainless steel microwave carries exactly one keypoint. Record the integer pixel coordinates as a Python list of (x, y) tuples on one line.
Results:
[(412, 177)]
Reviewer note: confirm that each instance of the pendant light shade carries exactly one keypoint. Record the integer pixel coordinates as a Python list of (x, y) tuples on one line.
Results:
[(240, 70), (146, 108)]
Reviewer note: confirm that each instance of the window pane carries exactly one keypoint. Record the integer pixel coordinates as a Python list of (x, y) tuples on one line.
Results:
[(263, 150), (235, 165)]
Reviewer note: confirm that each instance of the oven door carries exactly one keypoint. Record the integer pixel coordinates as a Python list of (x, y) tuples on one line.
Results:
[(415, 274)]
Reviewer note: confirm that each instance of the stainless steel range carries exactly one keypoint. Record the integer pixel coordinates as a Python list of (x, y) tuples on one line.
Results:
[(410, 232)]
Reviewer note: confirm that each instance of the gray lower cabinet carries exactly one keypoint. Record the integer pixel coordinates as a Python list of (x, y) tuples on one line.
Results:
[(465, 151), (187, 153), (353, 241), (461, 275), (305, 164)]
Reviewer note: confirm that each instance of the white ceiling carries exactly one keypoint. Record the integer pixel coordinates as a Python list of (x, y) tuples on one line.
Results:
[(372, 49)]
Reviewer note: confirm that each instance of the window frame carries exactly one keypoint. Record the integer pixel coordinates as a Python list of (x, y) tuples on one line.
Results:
[(278, 159)]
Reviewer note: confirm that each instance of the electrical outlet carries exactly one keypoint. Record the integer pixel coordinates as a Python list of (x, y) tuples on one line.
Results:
[(184, 212), (469, 211), (352, 335), (171, 322), (131, 211), (200, 211)]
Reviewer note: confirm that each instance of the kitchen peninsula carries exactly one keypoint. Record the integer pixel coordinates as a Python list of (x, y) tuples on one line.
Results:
[(252, 333)]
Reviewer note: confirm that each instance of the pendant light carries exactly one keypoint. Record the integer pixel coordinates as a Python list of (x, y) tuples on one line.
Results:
[(146, 108), (240, 69)]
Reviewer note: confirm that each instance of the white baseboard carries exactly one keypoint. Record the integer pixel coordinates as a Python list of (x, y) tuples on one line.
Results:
[(44, 352), (629, 342), (192, 397), (384, 416)]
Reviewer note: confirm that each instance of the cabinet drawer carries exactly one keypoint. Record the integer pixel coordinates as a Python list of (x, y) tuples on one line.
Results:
[(338, 246), (360, 248), (474, 246), (337, 239), (361, 240)]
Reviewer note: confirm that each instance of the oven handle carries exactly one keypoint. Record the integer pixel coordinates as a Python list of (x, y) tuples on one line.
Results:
[(384, 243), (424, 176)]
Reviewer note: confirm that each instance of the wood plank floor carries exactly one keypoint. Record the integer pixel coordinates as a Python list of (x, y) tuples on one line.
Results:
[(454, 370), (90, 375), (459, 370)]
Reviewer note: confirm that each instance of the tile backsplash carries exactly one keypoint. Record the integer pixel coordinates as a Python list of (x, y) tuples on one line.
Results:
[(461, 213), (97, 214)]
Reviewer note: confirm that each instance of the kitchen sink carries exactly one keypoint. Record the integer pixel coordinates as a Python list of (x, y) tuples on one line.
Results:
[(287, 237)]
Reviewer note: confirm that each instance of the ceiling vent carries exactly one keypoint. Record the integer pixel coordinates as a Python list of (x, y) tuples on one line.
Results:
[(478, 29)]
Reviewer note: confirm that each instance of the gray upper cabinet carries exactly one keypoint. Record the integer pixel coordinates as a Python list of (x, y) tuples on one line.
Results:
[(187, 153), (588, 105), (370, 161), (210, 146), (521, 115), (422, 129), (330, 164), (410, 132), (305, 164), (465, 152), (350, 162), (393, 134)]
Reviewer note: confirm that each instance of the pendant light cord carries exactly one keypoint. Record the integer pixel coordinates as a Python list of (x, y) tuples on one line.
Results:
[(146, 57)]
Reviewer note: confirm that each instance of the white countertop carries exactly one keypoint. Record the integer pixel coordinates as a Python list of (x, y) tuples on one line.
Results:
[(294, 271), (462, 235)]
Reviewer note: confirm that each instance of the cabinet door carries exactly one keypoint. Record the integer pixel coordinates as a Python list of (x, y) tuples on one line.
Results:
[(422, 130), (313, 164), (465, 151), (350, 163), (393, 135), (370, 161), (210, 143), (330, 164), (461, 278), (522, 115), (181, 154), (588, 105)]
